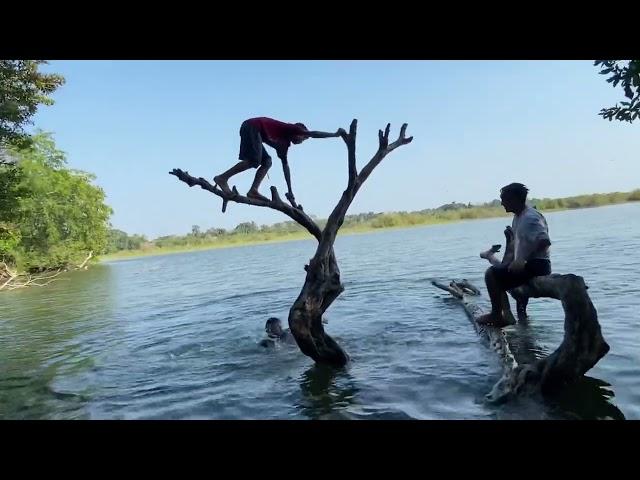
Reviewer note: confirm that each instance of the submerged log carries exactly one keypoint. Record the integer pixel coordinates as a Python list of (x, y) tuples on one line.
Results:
[(495, 337)]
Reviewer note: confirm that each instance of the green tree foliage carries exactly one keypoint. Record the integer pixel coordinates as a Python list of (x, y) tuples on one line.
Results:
[(214, 232), (52, 216), (10, 192), (246, 227), (627, 74), (22, 89), (118, 240)]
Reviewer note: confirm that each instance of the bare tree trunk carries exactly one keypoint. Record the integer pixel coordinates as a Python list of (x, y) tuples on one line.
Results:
[(321, 287), (583, 344), (322, 284), (522, 300)]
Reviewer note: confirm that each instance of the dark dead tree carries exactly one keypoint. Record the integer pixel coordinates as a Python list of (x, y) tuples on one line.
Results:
[(322, 284)]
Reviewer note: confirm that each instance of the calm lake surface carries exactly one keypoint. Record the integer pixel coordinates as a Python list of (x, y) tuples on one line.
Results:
[(176, 336)]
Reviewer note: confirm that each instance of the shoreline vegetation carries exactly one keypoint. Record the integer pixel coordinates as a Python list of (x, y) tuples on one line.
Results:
[(124, 247)]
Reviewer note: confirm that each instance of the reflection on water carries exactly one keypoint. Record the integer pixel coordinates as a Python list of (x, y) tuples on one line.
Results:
[(588, 399), (326, 390), (47, 344)]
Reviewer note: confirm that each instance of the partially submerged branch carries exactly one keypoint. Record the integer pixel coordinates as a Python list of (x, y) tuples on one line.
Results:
[(82, 265), (11, 280)]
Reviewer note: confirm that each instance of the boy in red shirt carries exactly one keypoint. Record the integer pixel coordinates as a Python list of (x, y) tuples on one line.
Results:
[(278, 135)]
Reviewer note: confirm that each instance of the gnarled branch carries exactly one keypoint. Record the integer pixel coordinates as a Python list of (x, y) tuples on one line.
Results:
[(296, 214), (356, 180), (383, 150), (12, 280)]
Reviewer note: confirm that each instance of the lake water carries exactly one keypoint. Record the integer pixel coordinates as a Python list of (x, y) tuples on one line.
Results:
[(176, 336)]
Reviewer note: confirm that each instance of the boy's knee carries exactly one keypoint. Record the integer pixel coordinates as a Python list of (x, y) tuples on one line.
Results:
[(489, 274)]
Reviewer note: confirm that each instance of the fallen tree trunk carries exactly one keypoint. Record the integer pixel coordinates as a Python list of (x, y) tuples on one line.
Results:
[(582, 346), (84, 263), (12, 280), (322, 283)]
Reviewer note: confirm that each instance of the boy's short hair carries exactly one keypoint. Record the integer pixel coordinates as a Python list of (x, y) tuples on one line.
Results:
[(515, 190)]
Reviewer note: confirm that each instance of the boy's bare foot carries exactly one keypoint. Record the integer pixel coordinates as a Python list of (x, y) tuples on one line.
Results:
[(489, 253), (257, 195), (486, 255), (493, 320), (222, 183)]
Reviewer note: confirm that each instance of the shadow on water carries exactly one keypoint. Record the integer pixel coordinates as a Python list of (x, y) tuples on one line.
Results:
[(326, 392), (587, 399)]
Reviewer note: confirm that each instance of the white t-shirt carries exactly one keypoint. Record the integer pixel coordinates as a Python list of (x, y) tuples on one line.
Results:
[(528, 228)]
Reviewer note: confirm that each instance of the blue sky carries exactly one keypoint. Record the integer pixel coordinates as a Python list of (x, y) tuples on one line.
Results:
[(477, 125)]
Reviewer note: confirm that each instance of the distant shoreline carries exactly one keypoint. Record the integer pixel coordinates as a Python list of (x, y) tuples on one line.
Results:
[(159, 251)]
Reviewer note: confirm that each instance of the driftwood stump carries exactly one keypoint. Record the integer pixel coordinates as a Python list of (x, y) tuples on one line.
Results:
[(582, 346)]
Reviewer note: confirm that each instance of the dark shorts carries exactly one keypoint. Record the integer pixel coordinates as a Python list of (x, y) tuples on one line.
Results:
[(251, 147), (533, 268)]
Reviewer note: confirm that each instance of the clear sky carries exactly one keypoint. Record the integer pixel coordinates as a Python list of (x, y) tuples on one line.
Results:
[(477, 125)]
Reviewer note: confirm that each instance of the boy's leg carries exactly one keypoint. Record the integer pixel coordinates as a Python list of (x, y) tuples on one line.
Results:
[(222, 179), (496, 278), (260, 174), (249, 155)]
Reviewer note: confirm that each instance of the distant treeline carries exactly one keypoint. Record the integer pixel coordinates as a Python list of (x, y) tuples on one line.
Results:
[(251, 232)]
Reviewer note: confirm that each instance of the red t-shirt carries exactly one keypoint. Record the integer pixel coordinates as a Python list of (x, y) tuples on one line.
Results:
[(277, 134)]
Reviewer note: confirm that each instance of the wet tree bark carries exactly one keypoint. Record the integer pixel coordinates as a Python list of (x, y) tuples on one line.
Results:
[(583, 344)]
